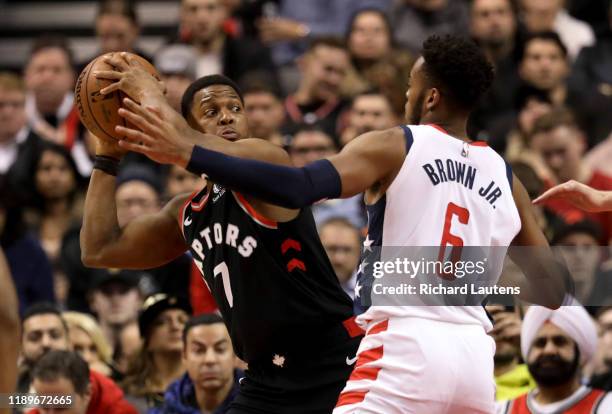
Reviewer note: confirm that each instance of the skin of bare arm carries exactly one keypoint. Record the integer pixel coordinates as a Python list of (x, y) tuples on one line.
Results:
[(147, 241), (10, 326), (545, 275), (580, 196)]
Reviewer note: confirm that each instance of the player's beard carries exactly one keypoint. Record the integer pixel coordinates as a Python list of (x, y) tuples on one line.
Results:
[(414, 117), (559, 371)]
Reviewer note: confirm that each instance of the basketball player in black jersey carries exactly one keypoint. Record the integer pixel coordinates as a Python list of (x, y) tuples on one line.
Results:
[(287, 315)]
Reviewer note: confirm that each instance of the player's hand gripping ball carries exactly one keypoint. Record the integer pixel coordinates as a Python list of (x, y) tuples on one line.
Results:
[(99, 112)]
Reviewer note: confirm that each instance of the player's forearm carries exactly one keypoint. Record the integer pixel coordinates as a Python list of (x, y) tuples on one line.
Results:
[(100, 227), (277, 184), (9, 325), (606, 203)]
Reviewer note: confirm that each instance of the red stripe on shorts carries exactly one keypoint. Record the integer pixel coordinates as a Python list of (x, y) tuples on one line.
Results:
[(379, 327), (368, 356), (364, 373), (351, 397)]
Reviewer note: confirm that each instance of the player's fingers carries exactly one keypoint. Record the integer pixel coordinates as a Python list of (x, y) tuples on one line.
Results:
[(111, 88), (108, 74), (149, 116), (138, 121), (134, 136), (135, 147), (130, 59), (551, 194), (117, 62)]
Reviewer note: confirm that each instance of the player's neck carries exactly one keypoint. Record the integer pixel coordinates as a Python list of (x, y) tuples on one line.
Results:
[(454, 127), (549, 395), (209, 400)]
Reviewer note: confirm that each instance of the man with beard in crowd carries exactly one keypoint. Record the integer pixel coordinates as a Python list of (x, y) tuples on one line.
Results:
[(555, 345)]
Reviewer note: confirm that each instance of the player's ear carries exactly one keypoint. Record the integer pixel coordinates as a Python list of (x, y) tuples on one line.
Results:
[(432, 99)]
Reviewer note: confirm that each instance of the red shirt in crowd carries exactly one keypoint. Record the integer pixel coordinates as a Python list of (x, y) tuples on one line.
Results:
[(106, 397)]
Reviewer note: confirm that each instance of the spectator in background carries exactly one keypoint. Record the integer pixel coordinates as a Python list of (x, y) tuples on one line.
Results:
[(556, 344), (579, 246), (211, 381), (377, 62), (49, 77), (310, 144), (65, 373), (544, 65), (176, 65), (512, 133), (604, 320), (28, 263), (493, 25), (547, 15), (415, 20), (512, 377), (291, 25), (558, 140), (159, 363), (17, 141), (89, 342), (264, 110), (115, 298), (318, 99), (56, 202), (180, 181), (138, 193), (117, 27), (342, 242), (219, 53), (42, 329), (370, 111), (126, 349)]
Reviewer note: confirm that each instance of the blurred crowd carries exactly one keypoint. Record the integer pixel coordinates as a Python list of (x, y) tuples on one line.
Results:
[(315, 74)]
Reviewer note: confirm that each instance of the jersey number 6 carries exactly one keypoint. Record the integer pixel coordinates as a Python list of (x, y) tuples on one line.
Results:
[(463, 215)]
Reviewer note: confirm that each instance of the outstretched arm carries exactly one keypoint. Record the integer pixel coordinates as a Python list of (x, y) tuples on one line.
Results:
[(166, 137), (548, 281), (580, 195)]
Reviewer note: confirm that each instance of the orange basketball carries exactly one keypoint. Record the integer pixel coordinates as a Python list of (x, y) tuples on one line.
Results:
[(99, 112)]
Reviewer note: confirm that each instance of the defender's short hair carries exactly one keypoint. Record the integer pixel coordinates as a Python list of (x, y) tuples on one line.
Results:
[(459, 67)]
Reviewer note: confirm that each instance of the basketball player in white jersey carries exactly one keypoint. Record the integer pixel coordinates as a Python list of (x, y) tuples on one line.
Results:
[(421, 359)]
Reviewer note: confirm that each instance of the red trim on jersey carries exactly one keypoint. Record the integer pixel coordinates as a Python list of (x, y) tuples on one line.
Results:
[(585, 405), (181, 212), (474, 143), (370, 355), (351, 397), (248, 208), (290, 244), (378, 328), (199, 206), (293, 263), (352, 328)]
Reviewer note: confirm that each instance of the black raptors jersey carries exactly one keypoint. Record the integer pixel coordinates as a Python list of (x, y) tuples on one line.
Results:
[(273, 282)]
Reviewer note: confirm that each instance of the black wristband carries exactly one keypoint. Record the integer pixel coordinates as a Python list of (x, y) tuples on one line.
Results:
[(107, 164)]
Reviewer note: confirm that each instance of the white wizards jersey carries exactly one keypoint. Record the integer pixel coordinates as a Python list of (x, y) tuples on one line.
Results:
[(447, 193)]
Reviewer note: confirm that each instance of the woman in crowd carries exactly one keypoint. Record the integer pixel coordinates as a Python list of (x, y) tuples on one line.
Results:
[(159, 363), (88, 341), (376, 61)]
